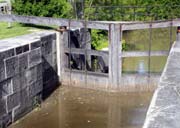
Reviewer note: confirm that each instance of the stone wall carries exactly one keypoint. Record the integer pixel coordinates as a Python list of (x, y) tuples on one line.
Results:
[(27, 73)]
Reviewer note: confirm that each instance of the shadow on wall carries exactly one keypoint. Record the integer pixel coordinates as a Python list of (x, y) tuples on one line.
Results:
[(50, 78), (49, 65)]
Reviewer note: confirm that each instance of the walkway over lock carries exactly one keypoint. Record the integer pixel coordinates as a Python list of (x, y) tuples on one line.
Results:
[(114, 80)]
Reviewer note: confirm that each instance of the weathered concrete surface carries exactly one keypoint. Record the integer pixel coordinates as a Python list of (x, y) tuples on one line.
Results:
[(54, 21), (164, 111), (100, 81), (27, 69)]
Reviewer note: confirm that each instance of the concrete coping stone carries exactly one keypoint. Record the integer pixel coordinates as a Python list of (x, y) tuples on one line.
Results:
[(175, 50), (10, 43), (164, 108), (175, 47)]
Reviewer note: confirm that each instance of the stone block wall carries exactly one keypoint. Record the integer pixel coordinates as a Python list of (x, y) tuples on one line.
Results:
[(27, 73)]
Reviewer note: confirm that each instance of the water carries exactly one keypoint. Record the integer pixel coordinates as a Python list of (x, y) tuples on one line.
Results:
[(141, 68), (138, 40), (70, 107), (140, 64)]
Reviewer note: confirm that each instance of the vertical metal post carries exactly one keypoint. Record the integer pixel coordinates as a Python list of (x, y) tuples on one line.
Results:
[(134, 12), (69, 44), (85, 56), (150, 42), (115, 59), (171, 29)]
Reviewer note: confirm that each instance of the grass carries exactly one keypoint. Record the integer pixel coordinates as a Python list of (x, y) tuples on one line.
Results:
[(18, 29), (2, 0), (103, 44)]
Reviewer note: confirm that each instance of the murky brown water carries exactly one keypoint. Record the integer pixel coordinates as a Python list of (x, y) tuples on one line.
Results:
[(72, 107)]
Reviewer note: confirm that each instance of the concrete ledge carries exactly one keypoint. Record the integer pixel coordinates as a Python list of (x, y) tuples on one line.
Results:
[(165, 105)]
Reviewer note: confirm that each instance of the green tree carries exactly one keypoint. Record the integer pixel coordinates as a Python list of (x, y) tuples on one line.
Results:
[(47, 8), (127, 9)]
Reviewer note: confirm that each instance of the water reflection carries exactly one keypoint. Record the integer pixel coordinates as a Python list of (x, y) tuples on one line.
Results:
[(82, 108), (141, 67), (141, 64)]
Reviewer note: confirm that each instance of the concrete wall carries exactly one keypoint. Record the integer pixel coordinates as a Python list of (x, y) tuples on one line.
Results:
[(27, 73), (100, 81), (164, 110)]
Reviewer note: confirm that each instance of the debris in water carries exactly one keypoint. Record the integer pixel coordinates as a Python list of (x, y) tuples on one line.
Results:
[(17, 122), (79, 98), (141, 104), (37, 109), (47, 113)]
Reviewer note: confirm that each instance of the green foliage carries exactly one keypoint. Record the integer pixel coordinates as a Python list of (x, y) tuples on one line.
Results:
[(149, 10), (128, 10), (37, 102), (99, 39), (124, 45), (16, 30), (46, 8)]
